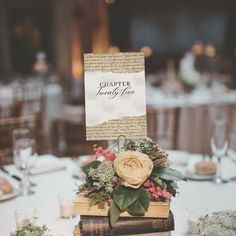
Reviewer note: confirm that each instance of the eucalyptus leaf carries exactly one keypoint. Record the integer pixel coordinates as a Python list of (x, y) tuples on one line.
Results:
[(167, 174), (114, 213), (93, 164), (140, 206), (124, 196)]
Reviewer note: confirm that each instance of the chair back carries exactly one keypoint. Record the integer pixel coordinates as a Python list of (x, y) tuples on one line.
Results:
[(11, 110), (32, 122), (68, 138), (162, 126), (30, 94)]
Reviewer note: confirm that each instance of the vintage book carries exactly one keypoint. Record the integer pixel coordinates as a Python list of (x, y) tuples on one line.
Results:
[(100, 226), (156, 209), (77, 233)]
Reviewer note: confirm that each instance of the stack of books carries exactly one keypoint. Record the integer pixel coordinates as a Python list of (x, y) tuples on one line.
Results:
[(100, 226)]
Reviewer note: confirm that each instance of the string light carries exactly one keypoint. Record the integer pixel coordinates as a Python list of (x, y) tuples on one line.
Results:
[(198, 48), (210, 51), (113, 49), (147, 51)]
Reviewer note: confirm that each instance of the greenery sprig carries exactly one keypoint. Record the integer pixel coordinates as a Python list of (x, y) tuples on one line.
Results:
[(158, 156), (29, 229), (218, 223), (99, 183)]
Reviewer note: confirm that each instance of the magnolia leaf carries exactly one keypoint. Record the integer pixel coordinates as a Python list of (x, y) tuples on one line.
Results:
[(114, 213), (124, 196), (167, 174), (140, 206), (93, 164)]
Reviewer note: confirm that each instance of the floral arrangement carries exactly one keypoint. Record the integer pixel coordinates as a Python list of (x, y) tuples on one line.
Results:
[(218, 223), (29, 229), (129, 179)]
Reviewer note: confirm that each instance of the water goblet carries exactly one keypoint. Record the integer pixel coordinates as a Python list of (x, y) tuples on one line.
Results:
[(219, 146), (232, 147), (24, 155)]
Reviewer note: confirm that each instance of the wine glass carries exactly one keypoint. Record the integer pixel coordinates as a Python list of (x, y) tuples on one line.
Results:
[(24, 155), (219, 145), (232, 147)]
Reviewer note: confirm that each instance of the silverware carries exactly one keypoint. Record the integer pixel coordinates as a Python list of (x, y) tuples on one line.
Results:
[(8, 173), (232, 178)]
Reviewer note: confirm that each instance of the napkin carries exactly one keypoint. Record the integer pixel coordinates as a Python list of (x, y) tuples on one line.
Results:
[(46, 164)]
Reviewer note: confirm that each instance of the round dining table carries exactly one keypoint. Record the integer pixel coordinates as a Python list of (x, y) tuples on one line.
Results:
[(192, 115), (192, 195)]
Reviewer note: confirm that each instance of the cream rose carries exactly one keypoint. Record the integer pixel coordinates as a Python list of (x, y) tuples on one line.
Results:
[(133, 168)]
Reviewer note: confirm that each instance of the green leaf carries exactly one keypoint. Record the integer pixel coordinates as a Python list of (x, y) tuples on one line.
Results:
[(124, 196), (158, 182), (174, 185), (167, 174), (114, 213), (140, 206), (93, 164)]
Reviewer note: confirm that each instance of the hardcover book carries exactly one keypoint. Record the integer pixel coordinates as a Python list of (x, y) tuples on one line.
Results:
[(156, 209), (100, 226), (77, 233)]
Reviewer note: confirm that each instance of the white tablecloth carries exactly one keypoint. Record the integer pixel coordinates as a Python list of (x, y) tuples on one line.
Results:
[(194, 195), (199, 196), (45, 201), (199, 97)]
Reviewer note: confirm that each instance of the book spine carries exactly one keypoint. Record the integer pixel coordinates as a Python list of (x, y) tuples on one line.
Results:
[(99, 226), (94, 227)]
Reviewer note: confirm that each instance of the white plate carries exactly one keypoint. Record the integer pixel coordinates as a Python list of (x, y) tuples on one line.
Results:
[(16, 188), (193, 176)]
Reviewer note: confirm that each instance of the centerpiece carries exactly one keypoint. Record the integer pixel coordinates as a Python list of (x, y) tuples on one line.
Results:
[(133, 180)]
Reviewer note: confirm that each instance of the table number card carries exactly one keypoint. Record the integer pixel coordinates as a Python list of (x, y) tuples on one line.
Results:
[(115, 96)]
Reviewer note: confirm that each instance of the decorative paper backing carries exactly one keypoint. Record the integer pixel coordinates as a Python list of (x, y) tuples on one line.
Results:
[(125, 62)]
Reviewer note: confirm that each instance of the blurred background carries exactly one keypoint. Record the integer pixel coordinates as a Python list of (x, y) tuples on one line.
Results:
[(190, 58)]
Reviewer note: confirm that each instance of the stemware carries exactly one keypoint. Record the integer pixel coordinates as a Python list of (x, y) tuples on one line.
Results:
[(24, 155), (219, 145), (232, 147)]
